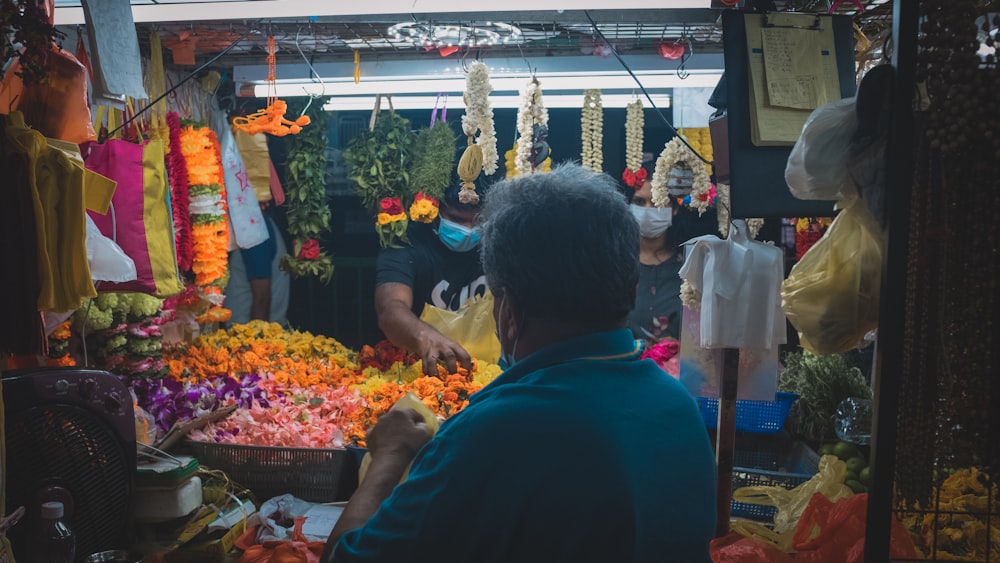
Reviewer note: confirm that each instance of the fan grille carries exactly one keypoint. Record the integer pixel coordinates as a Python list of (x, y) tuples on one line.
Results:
[(69, 447)]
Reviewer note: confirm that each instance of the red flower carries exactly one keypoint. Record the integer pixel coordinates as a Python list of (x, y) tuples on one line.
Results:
[(628, 177), (392, 205), (640, 176), (309, 250), (420, 196), (634, 179)]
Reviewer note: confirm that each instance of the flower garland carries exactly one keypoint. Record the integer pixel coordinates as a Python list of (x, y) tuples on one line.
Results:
[(123, 333), (391, 223), (424, 209), (179, 188), (530, 116), (634, 174), (722, 213), (59, 340), (207, 205), (479, 115), (674, 153), (308, 209), (592, 131)]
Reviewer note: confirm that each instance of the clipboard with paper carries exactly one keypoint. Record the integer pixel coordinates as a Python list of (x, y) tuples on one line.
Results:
[(792, 68)]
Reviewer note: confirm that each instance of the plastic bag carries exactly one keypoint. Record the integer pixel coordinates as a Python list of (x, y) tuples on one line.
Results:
[(108, 262), (735, 548), (834, 532), (472, 326), (407, 401), (831, 296), (791, 504), (818, 168)]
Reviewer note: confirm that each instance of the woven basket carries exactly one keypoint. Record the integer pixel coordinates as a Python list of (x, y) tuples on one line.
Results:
[(315, 475)]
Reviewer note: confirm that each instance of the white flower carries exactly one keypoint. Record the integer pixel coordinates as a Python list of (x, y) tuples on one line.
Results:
[(676, 151), (722, 213), (592, 130), (531, 112), (634, 121), (479, 115)]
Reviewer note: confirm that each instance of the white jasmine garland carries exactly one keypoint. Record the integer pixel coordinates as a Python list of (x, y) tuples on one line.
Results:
[(592, 131), (531, 112), (479, 115), (634, 122), (676, 151)]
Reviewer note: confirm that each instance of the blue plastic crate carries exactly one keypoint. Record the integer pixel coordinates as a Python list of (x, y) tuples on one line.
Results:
[(760, 417)]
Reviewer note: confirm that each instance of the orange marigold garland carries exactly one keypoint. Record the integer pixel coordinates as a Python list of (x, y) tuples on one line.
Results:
[(207, 206)]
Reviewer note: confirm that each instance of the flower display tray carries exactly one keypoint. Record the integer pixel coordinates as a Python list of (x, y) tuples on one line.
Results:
[(314, 475)]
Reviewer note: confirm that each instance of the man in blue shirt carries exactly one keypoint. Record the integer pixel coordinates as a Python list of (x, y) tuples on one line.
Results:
[(579, 451)]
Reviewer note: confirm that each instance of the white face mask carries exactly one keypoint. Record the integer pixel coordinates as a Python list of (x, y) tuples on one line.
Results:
[(653, 221)]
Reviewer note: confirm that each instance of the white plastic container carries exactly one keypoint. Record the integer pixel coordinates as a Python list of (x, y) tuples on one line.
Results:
[(161, 503)]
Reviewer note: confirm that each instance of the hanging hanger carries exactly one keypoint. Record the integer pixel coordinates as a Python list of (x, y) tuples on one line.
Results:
[(682, 71)]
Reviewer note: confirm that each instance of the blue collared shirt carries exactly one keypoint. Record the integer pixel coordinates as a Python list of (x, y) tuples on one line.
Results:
[(580, 452)]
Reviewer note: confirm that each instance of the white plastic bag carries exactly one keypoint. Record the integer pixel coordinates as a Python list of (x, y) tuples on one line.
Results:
[(817, 168), (107, 260)]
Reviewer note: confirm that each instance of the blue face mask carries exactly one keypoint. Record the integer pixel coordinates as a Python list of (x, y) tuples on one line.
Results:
[(458, 237)]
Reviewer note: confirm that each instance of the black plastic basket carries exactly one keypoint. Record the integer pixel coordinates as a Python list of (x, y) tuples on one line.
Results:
[(781, 463)]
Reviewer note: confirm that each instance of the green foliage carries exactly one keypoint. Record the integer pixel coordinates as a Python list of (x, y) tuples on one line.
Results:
[(380, 161), (821, 382), (305, 190), (434, 160)]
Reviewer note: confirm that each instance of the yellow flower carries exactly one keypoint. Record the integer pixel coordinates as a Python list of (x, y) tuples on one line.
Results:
[(423, 210), (385, 218)]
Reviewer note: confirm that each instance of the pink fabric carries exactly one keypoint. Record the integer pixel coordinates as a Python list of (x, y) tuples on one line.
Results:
[(122, 162), (277, 192)]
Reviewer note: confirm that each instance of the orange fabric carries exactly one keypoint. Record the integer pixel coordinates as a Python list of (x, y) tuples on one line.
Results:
[(298, 549)]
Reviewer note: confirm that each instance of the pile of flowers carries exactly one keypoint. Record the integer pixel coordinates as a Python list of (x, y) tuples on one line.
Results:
[(171, 401), (59, 340), (808, 231), (666, 354), (122, 333)]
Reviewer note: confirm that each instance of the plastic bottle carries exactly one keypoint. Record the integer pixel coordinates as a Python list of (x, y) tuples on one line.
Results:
[(53, 541)]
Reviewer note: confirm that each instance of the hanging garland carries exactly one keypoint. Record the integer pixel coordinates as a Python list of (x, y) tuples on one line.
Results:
[(481, 153), (434, 159), (676, 154), (206, 205), (592, 130), (308, 210), (634, 174), (179, 188), (532, 128)]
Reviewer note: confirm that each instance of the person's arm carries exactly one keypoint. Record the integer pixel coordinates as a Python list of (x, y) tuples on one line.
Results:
[(394, 307), (393, 442)]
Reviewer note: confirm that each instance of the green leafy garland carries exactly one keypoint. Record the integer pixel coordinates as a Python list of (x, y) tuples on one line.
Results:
[(434, 160), (380, 161), (821, 382), (308, 209)]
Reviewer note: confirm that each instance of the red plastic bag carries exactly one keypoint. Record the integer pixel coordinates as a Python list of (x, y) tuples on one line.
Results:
[(736, 548), (835, 532)]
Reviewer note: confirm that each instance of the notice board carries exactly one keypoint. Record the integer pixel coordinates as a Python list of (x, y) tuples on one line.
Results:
[(761, 133)]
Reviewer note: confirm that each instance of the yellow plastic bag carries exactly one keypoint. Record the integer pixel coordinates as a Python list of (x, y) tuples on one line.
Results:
[(409, 400), (829, 480), (831, 296), (472, 326)]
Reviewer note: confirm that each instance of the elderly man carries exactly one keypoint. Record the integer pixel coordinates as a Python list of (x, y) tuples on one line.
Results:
[(579, 451)]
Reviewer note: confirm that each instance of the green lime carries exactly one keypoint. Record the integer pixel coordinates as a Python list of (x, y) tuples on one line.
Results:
[(856, 486), (851, 476), (846, 450), (826, 449), (856, 464), (866, 476)]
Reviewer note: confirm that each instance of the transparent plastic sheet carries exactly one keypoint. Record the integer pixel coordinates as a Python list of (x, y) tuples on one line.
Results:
[(831, 296), (108, 262), (817, 167)]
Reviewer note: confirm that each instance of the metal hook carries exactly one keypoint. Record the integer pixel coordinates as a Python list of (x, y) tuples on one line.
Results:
[(527, 63), (682, 71)]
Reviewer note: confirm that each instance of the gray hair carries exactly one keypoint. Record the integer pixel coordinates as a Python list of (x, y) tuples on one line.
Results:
[(564, 243)]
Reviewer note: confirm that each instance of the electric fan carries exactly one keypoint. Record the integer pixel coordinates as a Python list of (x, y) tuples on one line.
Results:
[(71, 438)]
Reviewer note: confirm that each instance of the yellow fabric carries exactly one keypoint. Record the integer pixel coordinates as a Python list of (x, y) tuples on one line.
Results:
[(97, 189), (253, 151), (472, 326), (158, 221), (57, 190)]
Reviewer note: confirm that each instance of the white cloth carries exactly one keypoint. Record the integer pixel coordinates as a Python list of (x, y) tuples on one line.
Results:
[(247, 221), (238, 294), (114, 51), (740, 282)]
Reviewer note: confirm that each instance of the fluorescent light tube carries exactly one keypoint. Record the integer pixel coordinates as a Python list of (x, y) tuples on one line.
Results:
[(366, 103)]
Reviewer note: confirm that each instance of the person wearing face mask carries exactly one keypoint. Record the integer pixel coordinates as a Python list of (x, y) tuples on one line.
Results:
[(439, 267), (657, 312), (580, 451)]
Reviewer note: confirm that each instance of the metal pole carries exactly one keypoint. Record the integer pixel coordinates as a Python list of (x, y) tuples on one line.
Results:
[(725, 439), (889, 351)]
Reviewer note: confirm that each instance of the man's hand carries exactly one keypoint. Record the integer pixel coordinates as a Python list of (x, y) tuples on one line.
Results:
[(434, 347), (399, 433)]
